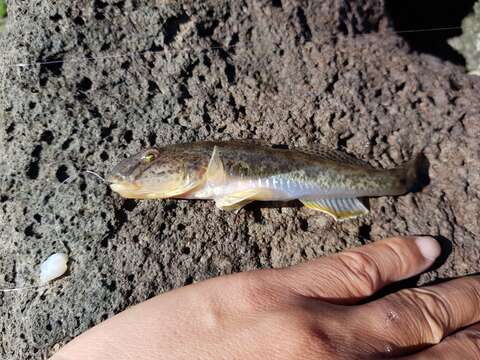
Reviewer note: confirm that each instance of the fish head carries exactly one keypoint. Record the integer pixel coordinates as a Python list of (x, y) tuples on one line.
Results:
[(153, 174)]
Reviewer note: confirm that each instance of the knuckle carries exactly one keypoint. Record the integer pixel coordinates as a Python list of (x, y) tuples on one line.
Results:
[(257, 290), (213, 316), (435, 313), (248, 293), (307, 340), (472, 287), (396, 254), (470, 339), (313, 339), (298, 334), (363, 269)]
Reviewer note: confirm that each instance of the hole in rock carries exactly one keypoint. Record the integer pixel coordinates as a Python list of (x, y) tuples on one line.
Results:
[(429, 14)]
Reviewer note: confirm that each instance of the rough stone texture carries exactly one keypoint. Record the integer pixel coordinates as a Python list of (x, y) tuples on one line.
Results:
[(294, 72), (469, 43)]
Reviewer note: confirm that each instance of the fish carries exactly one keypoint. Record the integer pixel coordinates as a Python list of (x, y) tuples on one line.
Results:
[(237, 172)]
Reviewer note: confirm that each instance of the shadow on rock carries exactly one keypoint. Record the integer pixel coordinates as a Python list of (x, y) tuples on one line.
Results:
[(422, 166), (273, 204)]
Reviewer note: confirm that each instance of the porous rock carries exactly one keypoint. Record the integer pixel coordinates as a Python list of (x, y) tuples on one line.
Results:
[(101, 80), (468, 44)]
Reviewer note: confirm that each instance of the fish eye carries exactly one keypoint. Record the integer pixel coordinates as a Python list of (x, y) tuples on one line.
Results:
[(149, 157)]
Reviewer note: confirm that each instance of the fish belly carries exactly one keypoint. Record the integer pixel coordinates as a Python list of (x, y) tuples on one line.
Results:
[(271, 188), (289, 188)]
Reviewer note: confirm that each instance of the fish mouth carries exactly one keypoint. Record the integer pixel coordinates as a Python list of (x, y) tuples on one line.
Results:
[(133, 190), (121, 179), (147, 190), (112, 179), (123, 187)]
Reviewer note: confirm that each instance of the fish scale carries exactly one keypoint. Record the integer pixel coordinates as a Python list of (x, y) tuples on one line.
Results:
[(234, 173)]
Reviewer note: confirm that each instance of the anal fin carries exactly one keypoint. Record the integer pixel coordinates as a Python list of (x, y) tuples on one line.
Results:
[(339, 209)]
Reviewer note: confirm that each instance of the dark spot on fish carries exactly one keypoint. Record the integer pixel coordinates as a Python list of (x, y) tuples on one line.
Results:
[(280, 146), (241, 168)]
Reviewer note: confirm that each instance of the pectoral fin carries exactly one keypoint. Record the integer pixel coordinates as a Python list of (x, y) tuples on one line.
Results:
[(339, 209), (233, 207), (235, 201)]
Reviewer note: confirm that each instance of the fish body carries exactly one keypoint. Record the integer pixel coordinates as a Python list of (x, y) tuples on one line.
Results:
[(236, 173)]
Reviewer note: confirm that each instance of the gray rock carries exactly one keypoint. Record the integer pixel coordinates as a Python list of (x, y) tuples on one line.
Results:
[(284, 71), (468, 44)]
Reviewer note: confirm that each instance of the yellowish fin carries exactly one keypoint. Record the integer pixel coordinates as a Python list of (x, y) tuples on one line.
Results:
[(215, 171), (339, 209)]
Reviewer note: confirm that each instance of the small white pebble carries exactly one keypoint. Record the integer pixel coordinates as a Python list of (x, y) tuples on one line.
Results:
[(54, 267)]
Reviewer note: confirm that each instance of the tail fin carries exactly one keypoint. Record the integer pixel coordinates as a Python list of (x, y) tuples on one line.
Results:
[(408, 176), (412, 172)]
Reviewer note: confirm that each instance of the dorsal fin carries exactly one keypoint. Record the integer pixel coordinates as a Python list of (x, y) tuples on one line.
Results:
[(257, 142), (215, 171), (326, 153)]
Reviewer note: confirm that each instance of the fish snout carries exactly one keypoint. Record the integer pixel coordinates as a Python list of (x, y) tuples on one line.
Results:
[(114, 178), (124, 171)]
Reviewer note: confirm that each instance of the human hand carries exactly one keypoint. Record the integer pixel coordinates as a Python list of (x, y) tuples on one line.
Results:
[(307, 311)]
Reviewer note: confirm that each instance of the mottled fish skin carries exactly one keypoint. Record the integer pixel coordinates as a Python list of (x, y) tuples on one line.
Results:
[(279, 174), (174, 170), (294, 173)]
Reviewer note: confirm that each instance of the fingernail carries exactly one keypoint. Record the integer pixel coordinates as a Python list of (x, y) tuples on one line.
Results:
[(428, 246)]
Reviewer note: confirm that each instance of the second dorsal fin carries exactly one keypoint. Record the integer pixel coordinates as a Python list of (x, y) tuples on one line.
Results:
[(326, 153)]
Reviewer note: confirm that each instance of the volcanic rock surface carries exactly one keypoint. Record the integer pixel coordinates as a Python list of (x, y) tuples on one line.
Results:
[(102, 80), (468, 44)]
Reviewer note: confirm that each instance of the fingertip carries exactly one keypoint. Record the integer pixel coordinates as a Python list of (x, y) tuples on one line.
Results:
[(428, 247)]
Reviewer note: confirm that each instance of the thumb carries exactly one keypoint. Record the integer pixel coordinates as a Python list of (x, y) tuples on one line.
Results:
[(353, 275)]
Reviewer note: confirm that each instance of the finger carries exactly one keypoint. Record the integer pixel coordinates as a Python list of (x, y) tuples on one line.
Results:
[(415, 318), (355, 274), (464, 344)]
